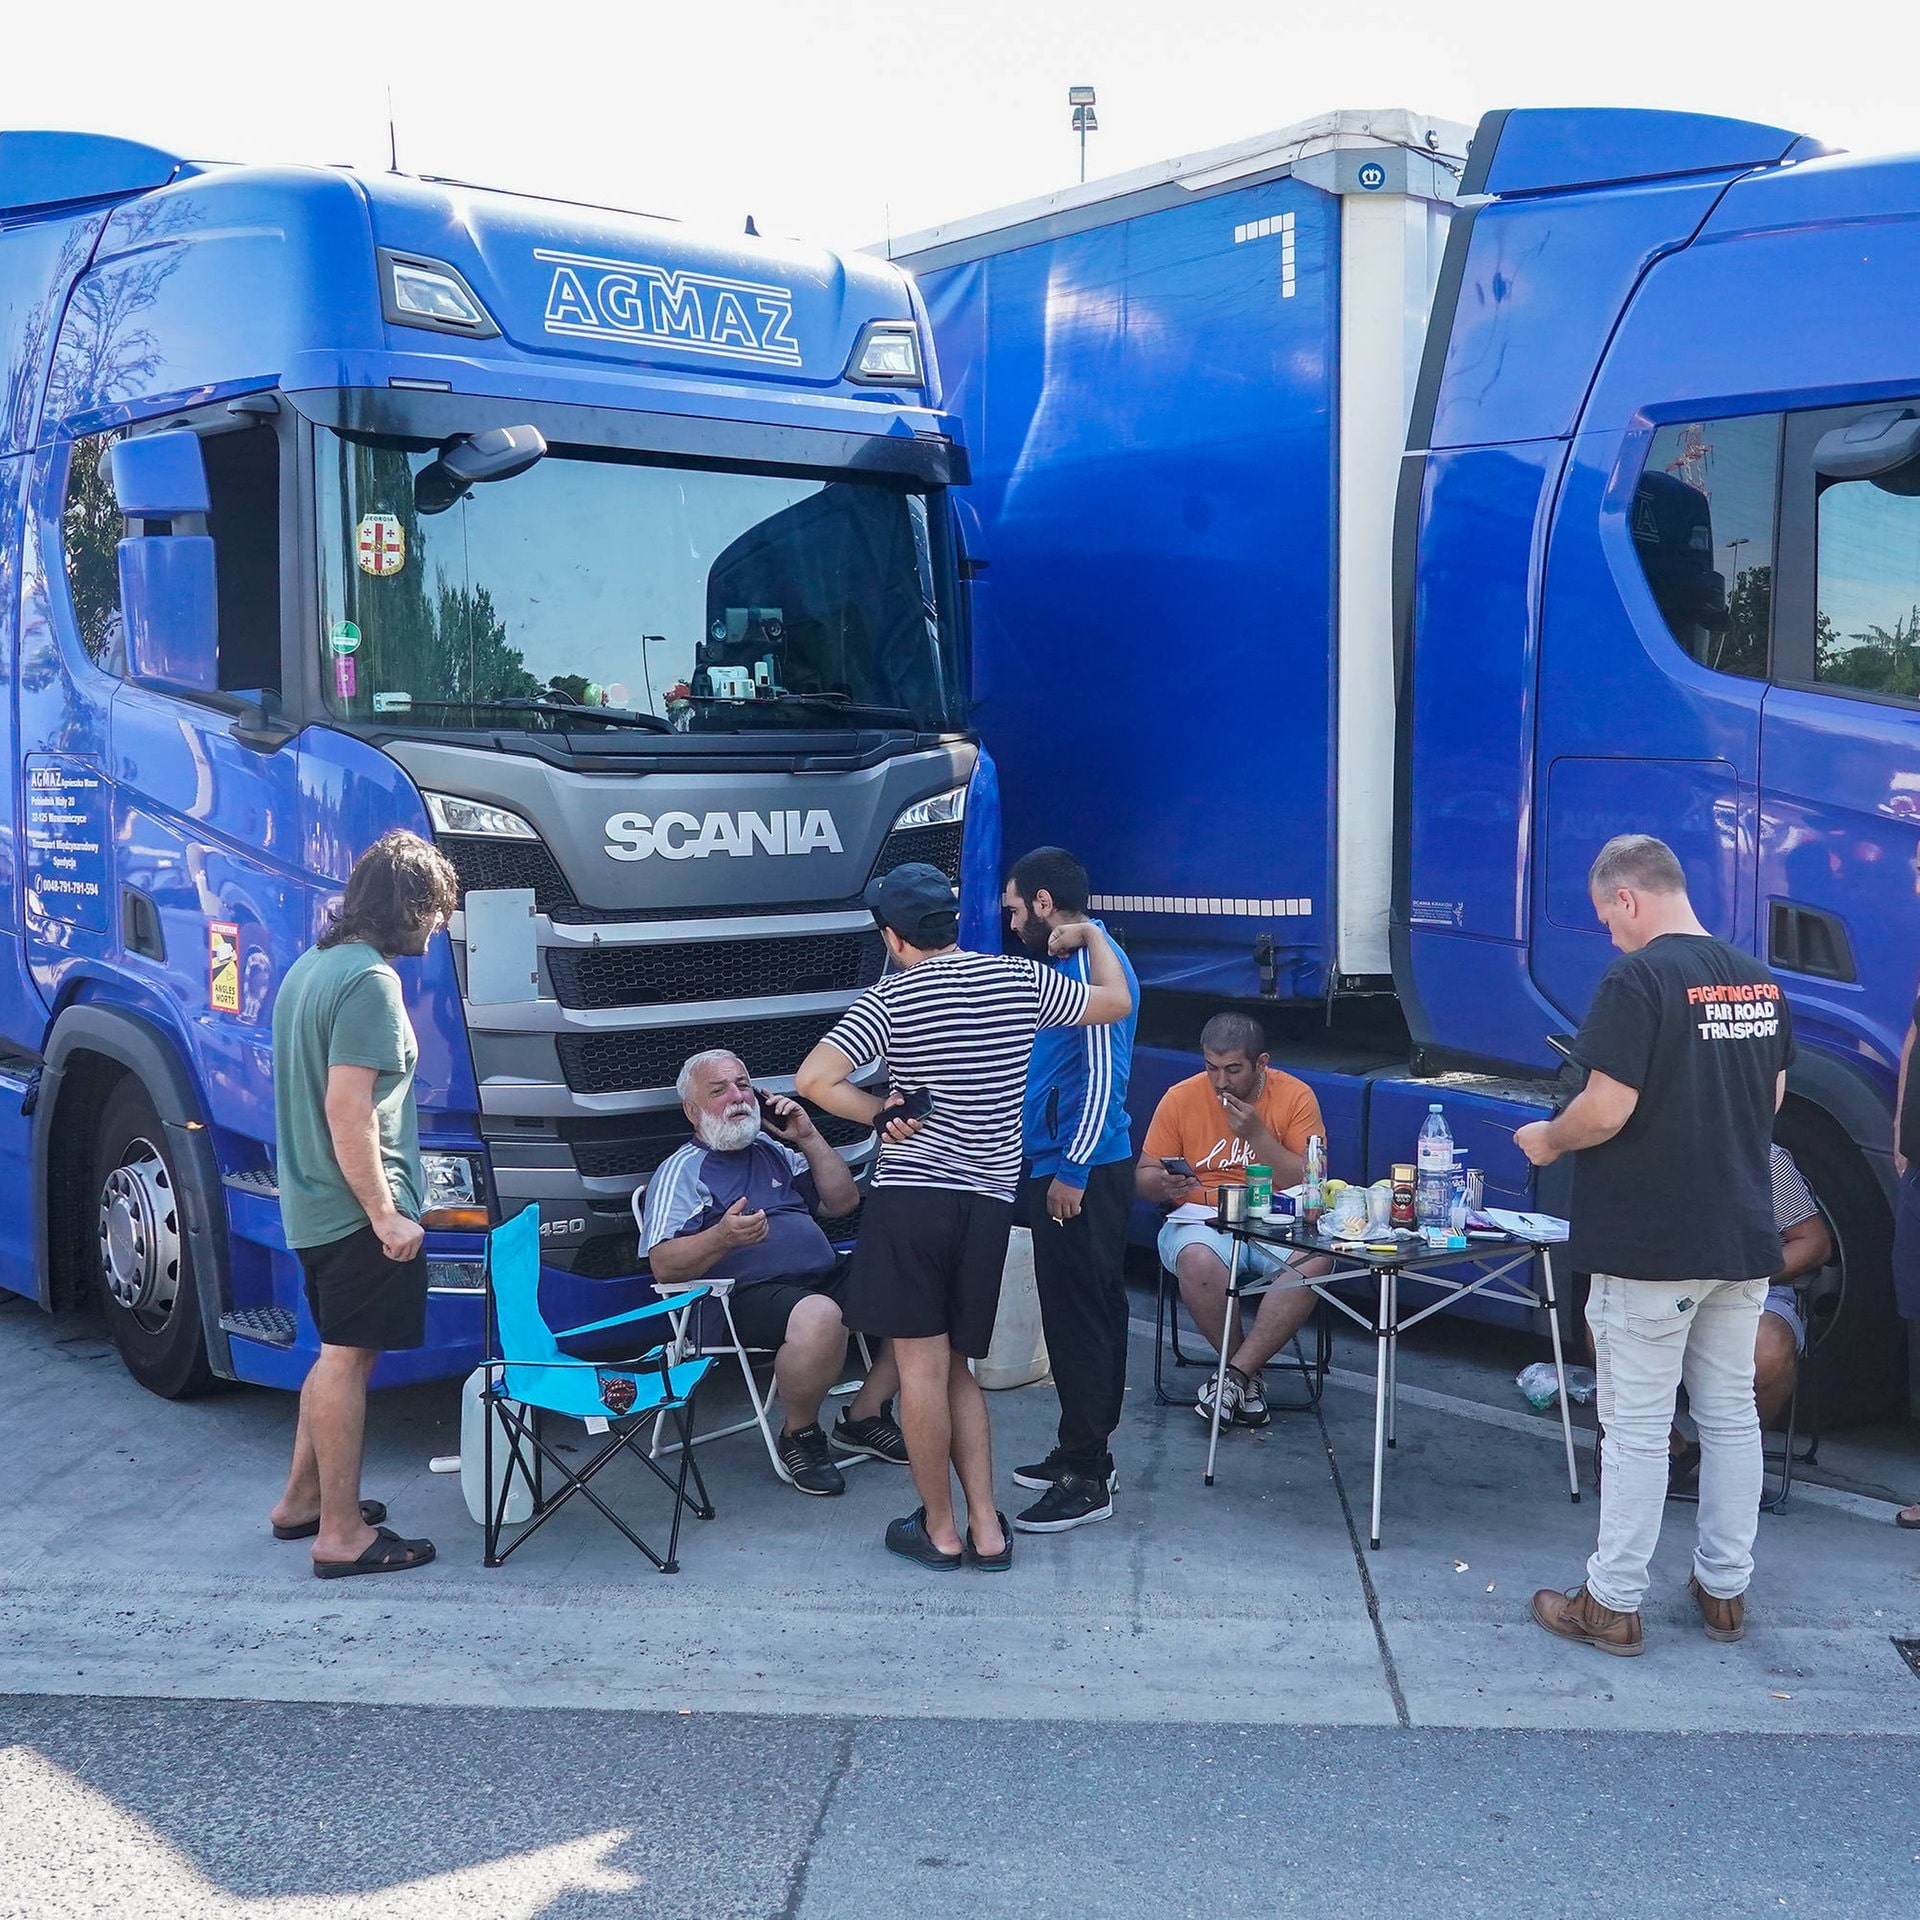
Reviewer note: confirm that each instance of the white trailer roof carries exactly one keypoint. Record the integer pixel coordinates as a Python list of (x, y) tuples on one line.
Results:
[(1347, 130)]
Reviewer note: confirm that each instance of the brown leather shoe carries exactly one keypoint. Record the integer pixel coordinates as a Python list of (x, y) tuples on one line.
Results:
[(1723, 1619), (1577, 1615)]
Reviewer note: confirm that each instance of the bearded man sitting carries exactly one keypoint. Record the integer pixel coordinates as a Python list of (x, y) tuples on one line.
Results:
[(740, 1201)]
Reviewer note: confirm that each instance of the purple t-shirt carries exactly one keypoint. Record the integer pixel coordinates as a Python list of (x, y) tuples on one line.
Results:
[(694, 1186)]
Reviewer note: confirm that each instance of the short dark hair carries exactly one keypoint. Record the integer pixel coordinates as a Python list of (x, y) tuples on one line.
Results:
[(399, 885), (1055, 869), (1639, 861), (1234, 1033)]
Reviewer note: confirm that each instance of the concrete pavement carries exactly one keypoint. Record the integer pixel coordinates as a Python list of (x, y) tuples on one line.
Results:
[(134, 1561)]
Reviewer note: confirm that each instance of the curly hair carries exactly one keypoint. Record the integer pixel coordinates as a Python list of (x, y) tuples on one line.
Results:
[(399, 886)]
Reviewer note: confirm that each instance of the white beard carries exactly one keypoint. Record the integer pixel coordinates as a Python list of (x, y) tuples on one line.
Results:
[(729, 1136)]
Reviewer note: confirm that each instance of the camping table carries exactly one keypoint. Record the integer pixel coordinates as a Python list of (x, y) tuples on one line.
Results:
[(1506, 1262)]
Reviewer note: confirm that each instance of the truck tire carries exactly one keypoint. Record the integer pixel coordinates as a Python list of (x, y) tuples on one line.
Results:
[(1856, 1343), (140, 1252)]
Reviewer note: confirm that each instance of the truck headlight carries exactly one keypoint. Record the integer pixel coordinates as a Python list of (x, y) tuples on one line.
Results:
[(887, 354), (453, 1201), (473, 818), (941, 811)]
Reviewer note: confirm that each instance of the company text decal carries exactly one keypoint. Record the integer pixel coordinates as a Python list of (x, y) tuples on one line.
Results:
[(695, 312), (679, 836)]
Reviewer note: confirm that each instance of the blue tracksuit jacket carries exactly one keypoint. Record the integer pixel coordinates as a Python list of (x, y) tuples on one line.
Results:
[(1075, 1116)]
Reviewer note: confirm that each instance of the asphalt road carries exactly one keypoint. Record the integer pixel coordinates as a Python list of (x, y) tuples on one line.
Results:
[(167, 1810)]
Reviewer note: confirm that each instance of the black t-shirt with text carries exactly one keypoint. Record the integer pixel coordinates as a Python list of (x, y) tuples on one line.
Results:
[(1701, 1032)]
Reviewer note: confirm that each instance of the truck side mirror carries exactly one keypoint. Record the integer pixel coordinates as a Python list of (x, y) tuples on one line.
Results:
[(168, 603), (170, 612)]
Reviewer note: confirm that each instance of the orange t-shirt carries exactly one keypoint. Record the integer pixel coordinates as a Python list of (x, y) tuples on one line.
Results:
[(1190, 1124)]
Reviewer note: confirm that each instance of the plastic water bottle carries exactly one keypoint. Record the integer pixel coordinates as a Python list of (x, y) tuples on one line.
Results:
[(1433, 1160)]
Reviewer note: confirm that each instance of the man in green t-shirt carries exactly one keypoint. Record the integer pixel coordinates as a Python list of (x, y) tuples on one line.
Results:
[(348, 1157)]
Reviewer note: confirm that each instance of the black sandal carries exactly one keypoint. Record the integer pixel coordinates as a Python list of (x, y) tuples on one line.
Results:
[(908, 1538), (1001, 1562), (388, 1554), (371, 1511)]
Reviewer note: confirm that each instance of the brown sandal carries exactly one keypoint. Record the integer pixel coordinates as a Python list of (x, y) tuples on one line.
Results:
[(388, 1554)]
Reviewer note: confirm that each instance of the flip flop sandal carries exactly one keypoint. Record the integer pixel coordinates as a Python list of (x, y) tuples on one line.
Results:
[(371, 1511), (388, 1554), (1908, 1517)]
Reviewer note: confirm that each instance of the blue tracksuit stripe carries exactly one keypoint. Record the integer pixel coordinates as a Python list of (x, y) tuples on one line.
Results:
[(1075, 1113)]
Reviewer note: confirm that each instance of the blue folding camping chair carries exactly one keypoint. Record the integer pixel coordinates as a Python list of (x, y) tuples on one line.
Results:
[(528, 1375)]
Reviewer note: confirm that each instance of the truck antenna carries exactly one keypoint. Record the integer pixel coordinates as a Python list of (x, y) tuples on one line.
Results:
[(393, 138)]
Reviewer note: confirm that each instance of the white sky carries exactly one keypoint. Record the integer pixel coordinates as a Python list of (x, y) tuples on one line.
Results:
[(835, 119)]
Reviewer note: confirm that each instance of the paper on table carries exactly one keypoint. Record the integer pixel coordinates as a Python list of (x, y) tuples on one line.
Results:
[(1528, 1226), (1192, 1210)]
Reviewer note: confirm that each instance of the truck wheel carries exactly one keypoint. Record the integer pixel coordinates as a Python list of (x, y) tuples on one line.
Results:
[(1855, 1340), (141, 1254)]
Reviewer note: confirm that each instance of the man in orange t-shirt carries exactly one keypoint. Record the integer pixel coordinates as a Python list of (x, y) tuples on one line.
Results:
[(1239, 1112)]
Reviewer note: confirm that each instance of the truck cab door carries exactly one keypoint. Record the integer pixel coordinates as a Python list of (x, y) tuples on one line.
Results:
[(1654, 658), (1840, 745)]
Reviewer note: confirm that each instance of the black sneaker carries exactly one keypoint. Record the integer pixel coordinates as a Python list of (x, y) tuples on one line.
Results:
[(879, 1437), (1072, 1501), (809, 1466), (1054, 1468)]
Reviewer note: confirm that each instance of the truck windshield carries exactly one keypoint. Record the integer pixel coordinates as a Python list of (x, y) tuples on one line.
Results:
[(593, 592)]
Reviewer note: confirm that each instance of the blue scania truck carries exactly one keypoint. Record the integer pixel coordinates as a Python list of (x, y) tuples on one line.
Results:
[(1372, 521), (617, 558)]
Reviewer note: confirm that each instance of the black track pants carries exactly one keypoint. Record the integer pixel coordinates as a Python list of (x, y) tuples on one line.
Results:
[(1078, 1266)]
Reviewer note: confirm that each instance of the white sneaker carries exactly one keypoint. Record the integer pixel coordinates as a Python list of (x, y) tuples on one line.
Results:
[(1229, 1400)]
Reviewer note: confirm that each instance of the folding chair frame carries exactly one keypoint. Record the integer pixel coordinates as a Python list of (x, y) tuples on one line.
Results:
[(686, 1345), (1166, 1333), (522, 1425)]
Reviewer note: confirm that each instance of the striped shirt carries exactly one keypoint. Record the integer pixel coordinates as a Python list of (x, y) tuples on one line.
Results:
[(1792, 1199), (961, 1027)]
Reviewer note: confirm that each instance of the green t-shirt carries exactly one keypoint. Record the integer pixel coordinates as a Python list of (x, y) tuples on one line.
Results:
[(340, 1007)]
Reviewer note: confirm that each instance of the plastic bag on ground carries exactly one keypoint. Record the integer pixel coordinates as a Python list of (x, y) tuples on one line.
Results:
[(1537, 1383)]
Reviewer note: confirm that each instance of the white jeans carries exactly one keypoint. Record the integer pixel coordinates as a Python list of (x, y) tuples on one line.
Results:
[(1648, 1336)]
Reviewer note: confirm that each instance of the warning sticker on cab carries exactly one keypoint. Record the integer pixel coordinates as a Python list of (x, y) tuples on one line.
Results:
[(381, 544), (223, 966)]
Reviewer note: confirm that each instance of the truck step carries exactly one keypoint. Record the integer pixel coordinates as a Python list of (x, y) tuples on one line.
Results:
[(261, 1180), (271, 1326)]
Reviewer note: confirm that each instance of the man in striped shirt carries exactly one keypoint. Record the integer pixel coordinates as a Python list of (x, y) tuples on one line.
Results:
[(955, 1030), (1079, 1149)]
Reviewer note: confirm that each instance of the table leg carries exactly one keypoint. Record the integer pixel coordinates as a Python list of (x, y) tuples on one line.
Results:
[(1560, 1374), (1393, 1362), (1380, 1396), (1220, 1372)]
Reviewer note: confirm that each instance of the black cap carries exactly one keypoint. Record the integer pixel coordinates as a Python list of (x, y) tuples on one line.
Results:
[(918, 902)]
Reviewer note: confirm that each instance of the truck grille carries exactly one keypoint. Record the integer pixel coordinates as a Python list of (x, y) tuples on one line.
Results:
[(483, 865), (628, 1146), (715, 969), (937, 846), (653, 1056)]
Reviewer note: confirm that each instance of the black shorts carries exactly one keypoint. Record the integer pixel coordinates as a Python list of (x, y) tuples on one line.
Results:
[(360, 1298), (761, 1311), (928, 1262)]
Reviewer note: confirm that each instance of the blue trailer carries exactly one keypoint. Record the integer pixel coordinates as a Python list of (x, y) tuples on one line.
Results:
[(1373, 522), (616, 557)]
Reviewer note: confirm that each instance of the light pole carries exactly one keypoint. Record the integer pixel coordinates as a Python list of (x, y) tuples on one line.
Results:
[(1085, 121)]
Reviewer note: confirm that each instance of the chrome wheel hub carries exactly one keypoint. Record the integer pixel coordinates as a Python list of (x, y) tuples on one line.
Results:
[(140, 1236)]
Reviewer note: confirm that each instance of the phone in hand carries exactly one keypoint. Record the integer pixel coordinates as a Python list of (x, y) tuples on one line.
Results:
[(1178, 1167), (769, 1113), (914, 1105)]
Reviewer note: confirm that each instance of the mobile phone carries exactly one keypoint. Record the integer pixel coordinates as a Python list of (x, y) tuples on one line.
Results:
[(768, 1111), (916, 1105), (1177, 1166)]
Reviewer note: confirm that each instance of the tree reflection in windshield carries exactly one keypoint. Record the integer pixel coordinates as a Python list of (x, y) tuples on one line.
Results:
[(722, 602)]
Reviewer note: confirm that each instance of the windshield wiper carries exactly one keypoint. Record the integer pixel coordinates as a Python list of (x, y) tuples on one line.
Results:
[(560, 710), (832, 702)]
